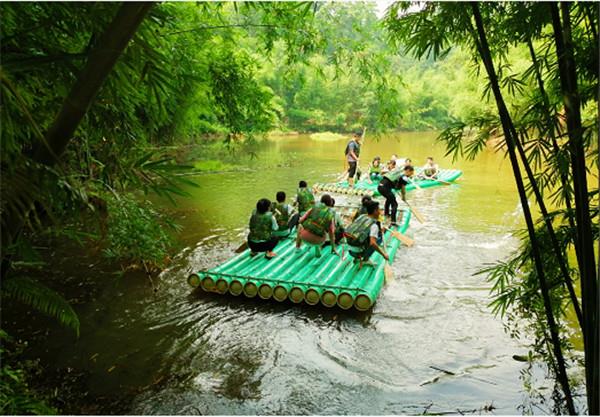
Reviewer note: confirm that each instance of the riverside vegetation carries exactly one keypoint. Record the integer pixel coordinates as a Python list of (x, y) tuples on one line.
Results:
[(99, 99)]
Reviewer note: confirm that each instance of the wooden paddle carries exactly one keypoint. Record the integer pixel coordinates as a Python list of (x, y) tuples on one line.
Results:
[(418, 215), (242, 247), (402, 238), (417, 186), (436, 179), (388, 272)]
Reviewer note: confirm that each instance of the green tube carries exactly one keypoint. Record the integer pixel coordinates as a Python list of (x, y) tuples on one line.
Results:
[(207, 283), (281, 289), (329, 296), (239, 285), (345, 297), (370, 288), (198, 279), (194, 279), (296, 294), (250, 289), (265, 291), (363, 298), (221, 285)]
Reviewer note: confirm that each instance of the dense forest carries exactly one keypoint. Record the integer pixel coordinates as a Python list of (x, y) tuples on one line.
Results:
[(98, 98)]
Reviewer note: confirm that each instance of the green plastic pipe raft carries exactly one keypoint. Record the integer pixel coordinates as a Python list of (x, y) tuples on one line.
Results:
[(301, 276), (364, 187)]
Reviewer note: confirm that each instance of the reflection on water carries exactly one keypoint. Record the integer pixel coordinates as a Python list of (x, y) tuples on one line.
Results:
[(183, 352)]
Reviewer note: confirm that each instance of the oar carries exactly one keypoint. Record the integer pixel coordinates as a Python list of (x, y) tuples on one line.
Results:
[(242, 247), (436, 179), (417, 186), (402, 238), (388, 272), (418, 215)]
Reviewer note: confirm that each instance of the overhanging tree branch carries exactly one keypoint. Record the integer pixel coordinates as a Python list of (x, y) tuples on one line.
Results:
[(101, 60)]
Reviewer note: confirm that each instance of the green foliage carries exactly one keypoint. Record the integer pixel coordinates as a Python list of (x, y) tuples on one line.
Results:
[(523, 75), (137, 232), (16, 398), (42, 299)]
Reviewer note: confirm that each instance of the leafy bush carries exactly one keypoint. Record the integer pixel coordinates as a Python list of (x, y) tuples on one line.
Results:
[(16, 398), (136, 232)]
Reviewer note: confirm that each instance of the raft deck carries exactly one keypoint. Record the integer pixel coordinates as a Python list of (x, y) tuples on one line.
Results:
[(363, 187), (302, 277)]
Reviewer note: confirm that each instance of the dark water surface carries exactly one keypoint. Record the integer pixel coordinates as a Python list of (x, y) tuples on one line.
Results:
[(178, 352)]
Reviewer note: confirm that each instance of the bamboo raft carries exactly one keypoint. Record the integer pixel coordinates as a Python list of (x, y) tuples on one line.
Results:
[(302, 277), (363, 187)]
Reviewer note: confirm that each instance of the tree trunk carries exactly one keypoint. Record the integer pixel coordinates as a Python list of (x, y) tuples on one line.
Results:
[(587, 263), (482, 45), (555, 246), (99, 64), (101, 60)]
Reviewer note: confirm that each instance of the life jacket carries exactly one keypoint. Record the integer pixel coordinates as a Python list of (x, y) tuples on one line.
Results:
[(357, 234), (305, 199), (362, 210), (394, 175), (281, 214), (261, 226), (356, 150), (319, 220), (375, 169)]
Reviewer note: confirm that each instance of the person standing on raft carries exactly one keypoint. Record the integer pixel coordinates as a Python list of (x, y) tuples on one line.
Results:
[(365, 235), (316, 224), (262, 227), (352, 153), (396, 178)]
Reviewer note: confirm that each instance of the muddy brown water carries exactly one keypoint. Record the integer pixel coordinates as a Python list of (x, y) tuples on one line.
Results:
[(182, 352)]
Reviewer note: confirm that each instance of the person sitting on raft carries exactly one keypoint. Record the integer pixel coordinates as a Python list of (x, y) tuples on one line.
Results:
[(430, 169), (397, 178), (363, 207), (316, 224), (262, 227), (365, 235), (305, 198), (283, 214), (339, 224), (375, 170)]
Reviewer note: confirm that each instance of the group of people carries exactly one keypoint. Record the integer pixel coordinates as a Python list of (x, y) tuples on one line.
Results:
[(317, 224), (396, 174)]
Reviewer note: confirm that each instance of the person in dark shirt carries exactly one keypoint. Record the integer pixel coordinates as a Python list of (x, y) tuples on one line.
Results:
[(397, 178), (352, 156)]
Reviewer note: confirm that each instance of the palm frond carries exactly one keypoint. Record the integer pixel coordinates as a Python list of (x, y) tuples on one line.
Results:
[(42, 299)]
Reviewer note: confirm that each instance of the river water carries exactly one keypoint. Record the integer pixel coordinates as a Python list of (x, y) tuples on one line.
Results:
[(175, 351)]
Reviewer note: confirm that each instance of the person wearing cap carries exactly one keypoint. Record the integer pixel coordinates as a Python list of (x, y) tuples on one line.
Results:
[(352, 156)]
